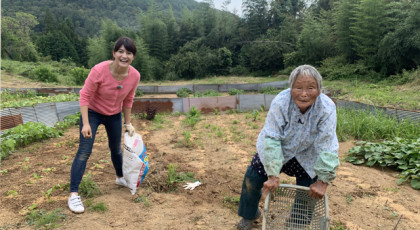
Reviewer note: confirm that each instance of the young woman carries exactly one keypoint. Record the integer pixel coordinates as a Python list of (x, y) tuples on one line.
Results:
[(108, 90)]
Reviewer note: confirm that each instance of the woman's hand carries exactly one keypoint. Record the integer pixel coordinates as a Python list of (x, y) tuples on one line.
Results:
[(318, 189), (270, 186), (86, 131)]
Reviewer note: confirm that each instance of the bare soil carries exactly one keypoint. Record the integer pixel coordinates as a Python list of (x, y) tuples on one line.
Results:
[(218, 152)]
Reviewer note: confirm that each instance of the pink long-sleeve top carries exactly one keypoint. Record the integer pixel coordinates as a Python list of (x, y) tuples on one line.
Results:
[(105, 95)]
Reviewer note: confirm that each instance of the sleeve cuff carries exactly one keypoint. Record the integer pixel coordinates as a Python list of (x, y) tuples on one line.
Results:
[(273, 156), (325, 166)]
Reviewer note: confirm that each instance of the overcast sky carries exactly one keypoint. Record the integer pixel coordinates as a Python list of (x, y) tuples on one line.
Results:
[(234, 5)]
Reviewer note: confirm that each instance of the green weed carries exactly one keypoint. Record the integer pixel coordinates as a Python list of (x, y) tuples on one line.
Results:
[(11, 192), (36, 177), (231, 202), (43, 219), (99, 207), (88, 188), (349, 199), (142, 199), (193, 117), (176, 177)]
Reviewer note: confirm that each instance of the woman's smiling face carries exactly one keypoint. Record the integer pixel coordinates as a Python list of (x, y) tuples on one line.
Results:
[(123, 57), (304, 92)]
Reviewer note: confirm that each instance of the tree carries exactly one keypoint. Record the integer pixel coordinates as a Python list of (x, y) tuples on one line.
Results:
[(400, 48), (315, 41), (100, 48), (172, 31), (256, 15), (368, 29), (343, 17), (155, 33), (16, 40)]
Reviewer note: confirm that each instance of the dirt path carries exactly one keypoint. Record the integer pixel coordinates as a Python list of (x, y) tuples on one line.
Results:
[(217, 152)]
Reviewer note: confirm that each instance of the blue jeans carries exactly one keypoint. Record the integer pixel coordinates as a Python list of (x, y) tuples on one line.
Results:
[(251, 191), (113, 127)]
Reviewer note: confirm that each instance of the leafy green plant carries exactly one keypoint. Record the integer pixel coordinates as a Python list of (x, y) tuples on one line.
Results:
[(236, 92), (48, 193), (402, 154), (23, 135), (30, 98), (184, 92), (36, 176), (88, 188), (46, 220), (193, 117), (11, 192), (68, 121)]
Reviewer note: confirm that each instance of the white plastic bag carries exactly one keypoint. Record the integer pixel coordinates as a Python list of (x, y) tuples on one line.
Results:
[(135, 162)]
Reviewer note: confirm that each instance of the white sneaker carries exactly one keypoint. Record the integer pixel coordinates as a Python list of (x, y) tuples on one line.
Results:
[(75, 204), (121, 181)]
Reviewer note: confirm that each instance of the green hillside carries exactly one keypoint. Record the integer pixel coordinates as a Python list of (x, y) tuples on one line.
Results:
[(86, 15)]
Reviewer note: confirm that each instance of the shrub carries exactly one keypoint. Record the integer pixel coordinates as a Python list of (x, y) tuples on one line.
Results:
[(335, 68), (184, 92), (45, 74), (79, 75)]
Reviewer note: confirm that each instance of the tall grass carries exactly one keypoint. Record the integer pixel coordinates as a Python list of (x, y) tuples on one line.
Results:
[(364, 125)]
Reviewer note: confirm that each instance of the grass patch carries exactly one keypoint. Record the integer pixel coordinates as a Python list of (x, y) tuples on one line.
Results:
[(44, 219), (364, 125), (380, 94), (177, 177), (99, 207), (142, 199), (231, 202)]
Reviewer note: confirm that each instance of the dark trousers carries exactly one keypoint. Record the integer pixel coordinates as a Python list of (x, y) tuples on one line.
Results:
[(113, 127), (251, 190)]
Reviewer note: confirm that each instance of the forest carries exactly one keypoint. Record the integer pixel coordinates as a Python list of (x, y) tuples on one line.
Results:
[(346, 39)]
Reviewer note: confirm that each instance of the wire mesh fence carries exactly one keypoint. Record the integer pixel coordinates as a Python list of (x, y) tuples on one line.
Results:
[(51, 113)]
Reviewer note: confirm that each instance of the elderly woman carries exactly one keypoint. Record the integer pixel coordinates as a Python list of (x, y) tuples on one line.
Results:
[(298, 138)]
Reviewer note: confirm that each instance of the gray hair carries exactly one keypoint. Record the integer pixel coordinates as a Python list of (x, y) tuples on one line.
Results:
[(306, 70)]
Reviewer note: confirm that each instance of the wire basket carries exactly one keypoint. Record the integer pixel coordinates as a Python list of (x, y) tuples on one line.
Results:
[(291, 207)]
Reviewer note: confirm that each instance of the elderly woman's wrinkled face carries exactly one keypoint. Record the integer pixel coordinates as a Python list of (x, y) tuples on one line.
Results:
[(304, 92)]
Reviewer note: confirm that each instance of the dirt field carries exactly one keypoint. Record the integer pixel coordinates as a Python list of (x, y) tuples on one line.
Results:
[(218, 152)]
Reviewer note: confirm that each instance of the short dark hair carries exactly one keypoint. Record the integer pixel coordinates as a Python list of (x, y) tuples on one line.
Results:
[(128, 44)]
